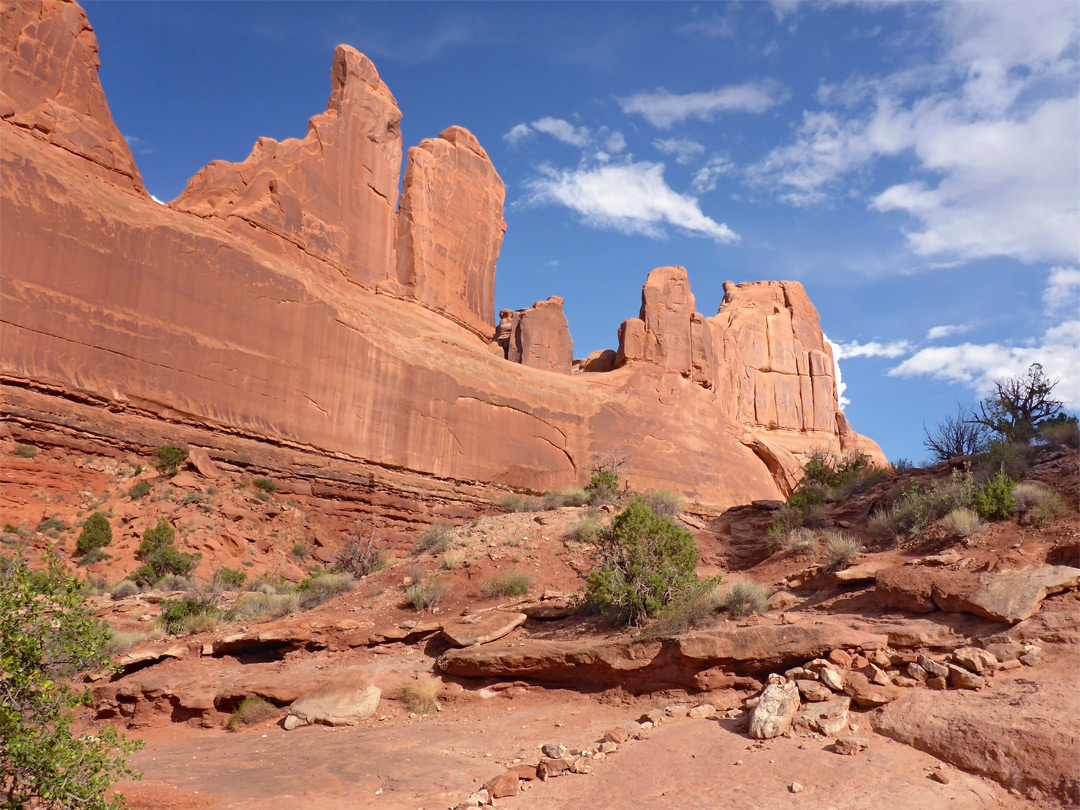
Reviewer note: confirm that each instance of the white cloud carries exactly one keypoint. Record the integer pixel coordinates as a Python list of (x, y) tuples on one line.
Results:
[(615, 142), (155, 199), (939, 332), (632, 198), (684, 150), (979, 365), (1062, 290), (662, 109), (563, 131), (709, 175), (517, 134), (715, 27), (841, 386), (137, 144), (894, 349), (991, 127)]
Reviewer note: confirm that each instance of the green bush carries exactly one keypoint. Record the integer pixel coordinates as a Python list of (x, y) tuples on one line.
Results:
[(994, 500), (321, 587), (139, 491), (644, 562), (160, 556), (919, 505), (603, 486), (521, 503), (169, 459), (265, 484), (48, 633), (436, 537), (229, 579), (512, 583), (25, 450), (92, 557), (692, 611), (740, 597), (251, 710), (96, 533), (1060, 432), (300, 551), (191, 614)]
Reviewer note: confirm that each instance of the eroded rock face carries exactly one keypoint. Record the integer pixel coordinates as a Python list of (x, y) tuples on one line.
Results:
[(540, 337), (450, 228), (50, 89)]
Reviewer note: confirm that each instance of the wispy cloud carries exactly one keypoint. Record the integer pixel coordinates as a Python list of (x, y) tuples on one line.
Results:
[(563, 131), (715, 27), (893, 349), (632, 198), (939, 332), (517, 134), (139, 146), (662, 109), (708, 176), (685, 151), (1062, 291)]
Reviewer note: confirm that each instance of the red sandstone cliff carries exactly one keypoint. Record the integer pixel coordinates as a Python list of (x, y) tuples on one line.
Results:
[(249, 307)]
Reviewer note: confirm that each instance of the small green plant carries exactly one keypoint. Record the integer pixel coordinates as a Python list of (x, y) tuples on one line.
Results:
[(740, 597), (421, 697), (251, 710), (321, 587), (265, 497), (436, 537), (93, 556), (96, 534), (168, 460), (427, 594), (919, 505), (692, 611), (25, 450), (994, 500), (300, 551), (229, 579), (644, 562), (139, 490), (961, 522), (160, 557), (1060, 432), (265, 484), (840, 548), (173, 582), (512, 583), (191, 614)]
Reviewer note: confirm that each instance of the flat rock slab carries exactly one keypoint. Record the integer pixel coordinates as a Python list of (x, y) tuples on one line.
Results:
[(482, 628), (1004, 596), (863, 572), (343, 700)]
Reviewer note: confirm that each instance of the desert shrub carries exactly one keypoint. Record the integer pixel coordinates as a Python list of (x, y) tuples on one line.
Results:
[(644, 562), (919, 505), (124, 589), (961, 522), (603, 487), (435, 538), (827, 477), (96, 533), (788, 519), (358, 557), (902, 465), (300, 551), (25, 450), (587, 529), (321, 587), (692, 611), (663, 502), (994, 500), (511, 502), (1014, 458), (265, 497), (512, 583), (256, 605), (48, 632), (575, 497), (160, 557), (1037, 504), (251, 710), (265, 484), (92, 557), (840, 548), (808, 494), (740, 597), (452, 560), (139, 490), (421, 697), (191, 614), (426, 594), (229, 579), (553, 500), (120, 641), (1063, 432), (168, 460), (801, 542), (173, 582)]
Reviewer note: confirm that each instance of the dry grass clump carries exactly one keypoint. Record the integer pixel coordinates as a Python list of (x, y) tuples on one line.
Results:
[(254, 606), (521, 503), (587, 529), (962, 522), (421, 697), (693, 612), (1037, 504), (512, 583), (740, 597), (436, 537), (800, 542), (840, 548), (427, 594), (322, 587), (575, 497), (452, 560), (663, 502), (120, 641), (124, 589), (251, 710)]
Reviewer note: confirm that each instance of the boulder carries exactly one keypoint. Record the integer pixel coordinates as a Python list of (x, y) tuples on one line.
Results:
[(866, 694), (481, 628), (828, 718), (343, 700), (814, 691), (978, 661), (504, 785), (964, 679), (200, 461), (775, 711), (850, 745)]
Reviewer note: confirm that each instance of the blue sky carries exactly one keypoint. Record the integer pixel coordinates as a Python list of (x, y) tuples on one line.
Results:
[(915, 165)]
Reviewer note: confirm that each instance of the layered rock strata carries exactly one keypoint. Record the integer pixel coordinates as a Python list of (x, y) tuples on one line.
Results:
[(248, 306)]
